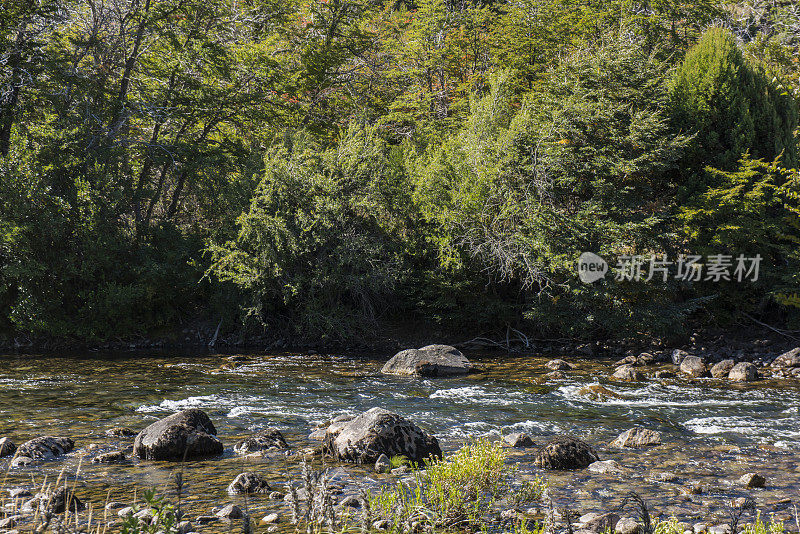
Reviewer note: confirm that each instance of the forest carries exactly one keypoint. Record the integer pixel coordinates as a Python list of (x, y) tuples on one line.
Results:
[(324, 168)]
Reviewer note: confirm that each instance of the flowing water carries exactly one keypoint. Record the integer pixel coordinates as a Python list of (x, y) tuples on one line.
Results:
[(713, 432)]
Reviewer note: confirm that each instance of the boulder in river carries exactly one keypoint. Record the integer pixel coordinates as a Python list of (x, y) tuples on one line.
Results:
[(248, 483), (7, 447), (518, 440), (637, 438), (565, 453), (265, 440), (61, 500), (186, 434), (42, 448), (628, 373), (112, 457), (721, 369), (743, 372), (788, 359), (378, 431), (430, 361), (693, 366), (559, 365), (752, 480)]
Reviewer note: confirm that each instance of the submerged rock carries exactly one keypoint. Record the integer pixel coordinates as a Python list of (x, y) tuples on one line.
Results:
[(693, 366), (248, 483), (743, 372), (721, 369), (787, 359), (186, 434), (378, 431), (267, 439), (430, 361), (109, 458), (565, 453), (7, 447), (120, 432), (637, 438)]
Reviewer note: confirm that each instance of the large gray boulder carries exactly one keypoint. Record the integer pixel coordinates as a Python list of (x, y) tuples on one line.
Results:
[(187, 434), (433, 360), (788, 359), (565, 452), (378, 431)]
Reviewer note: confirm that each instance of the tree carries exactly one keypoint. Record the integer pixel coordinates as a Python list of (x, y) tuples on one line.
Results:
[(732, 106)]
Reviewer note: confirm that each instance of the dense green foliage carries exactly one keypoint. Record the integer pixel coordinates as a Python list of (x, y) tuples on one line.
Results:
[(324, 167)]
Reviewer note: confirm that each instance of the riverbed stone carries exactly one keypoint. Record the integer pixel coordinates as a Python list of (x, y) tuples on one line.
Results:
[(637, 438), (598, 523), (265, 440), (383, 464), (120, 432), (555, 375), (565, 453), (721, 369), (271, 519), (752, 480), (42, 448), (378, 431), (559, 365), (518, 440), (605, 467), (628, 373), (743, 372), (627, 525), (248, 483), (109, 458), (229, 512), (693, 366), (787, 359), (429, 361), (186, 434), (60, 500), (678, 356), (7, 447)]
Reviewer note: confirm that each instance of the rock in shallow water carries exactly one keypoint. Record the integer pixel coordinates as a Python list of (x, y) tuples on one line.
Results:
[(42, 448), (565, 453), (7, 447), (248, 483), (605, 467), (267, 439), (752, 480), (693, 366), (743, 372), (186, 434), (721, 369), (628, 373), (788, 359), (637, 438), (378, 431), (109, 458), (60, 500), (559, 365), (430, 361), (518, 440)]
